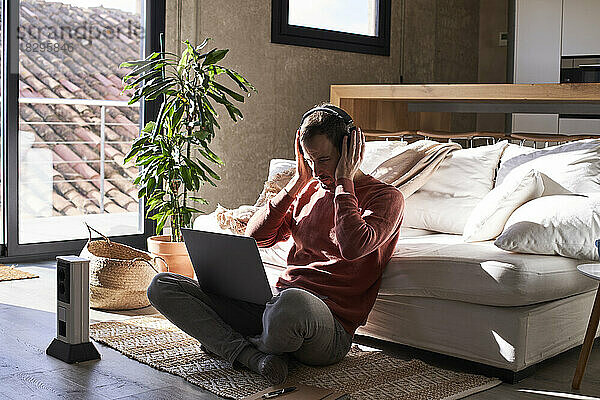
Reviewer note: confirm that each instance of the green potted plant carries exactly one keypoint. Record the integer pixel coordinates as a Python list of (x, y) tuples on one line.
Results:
[(173, 151)]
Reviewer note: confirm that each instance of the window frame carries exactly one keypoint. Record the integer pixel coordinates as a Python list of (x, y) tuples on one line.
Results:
[(12, 250), (284, 33)]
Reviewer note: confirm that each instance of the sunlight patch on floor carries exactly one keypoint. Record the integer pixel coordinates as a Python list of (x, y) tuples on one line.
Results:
[(560, 395), (366, 348), (40, 294), (37, 293)]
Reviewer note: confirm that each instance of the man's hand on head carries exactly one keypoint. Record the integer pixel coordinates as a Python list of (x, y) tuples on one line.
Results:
[(352, 157), (303, 171)]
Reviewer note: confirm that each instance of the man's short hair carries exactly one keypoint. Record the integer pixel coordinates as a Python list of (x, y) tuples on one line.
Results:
[(323, 123)]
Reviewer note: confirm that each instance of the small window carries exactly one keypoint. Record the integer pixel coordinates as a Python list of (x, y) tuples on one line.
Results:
[(361, 26)]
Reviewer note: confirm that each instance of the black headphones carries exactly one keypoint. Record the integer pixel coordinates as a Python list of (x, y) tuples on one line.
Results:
[(338, 112)]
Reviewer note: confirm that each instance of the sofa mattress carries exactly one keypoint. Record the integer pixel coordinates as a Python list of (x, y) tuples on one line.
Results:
[(442, 266)]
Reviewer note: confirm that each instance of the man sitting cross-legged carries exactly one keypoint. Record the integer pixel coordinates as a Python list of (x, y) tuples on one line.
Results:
[(344, 225)]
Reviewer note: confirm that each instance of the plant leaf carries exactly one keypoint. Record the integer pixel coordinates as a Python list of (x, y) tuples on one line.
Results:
[(161, 222), (240, 80), (230, 92), (210, 171), (147, 66), (149, 127), (199, 199), (131, 83), (201, 46), (214, 56)]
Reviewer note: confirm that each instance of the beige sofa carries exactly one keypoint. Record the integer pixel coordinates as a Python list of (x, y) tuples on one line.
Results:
[(474, 301)]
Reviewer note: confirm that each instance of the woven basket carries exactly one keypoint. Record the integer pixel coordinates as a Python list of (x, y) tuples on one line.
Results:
[(119, 274)]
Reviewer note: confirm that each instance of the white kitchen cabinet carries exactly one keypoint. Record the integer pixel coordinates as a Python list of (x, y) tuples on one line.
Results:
[(581, 27), (537, 41), (537, 56)]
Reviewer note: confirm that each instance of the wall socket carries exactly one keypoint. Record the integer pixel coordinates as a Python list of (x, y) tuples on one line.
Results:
[(502, 39)]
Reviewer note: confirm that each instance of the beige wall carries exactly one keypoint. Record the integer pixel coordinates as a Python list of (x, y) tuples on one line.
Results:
[(441, 45), (289, 79), (441, 41), (493, 19), (456, 41)]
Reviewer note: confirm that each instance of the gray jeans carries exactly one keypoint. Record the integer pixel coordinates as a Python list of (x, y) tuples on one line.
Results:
[(294, 321)]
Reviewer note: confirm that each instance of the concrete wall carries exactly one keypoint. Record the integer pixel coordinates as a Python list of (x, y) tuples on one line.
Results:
[(493, 19), (441, 42), (289, 79)]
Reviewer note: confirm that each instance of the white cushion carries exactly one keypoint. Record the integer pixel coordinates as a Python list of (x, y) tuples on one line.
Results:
[(438, 212), (445, 202), (514, 150), (566, 225), (489, 216), (209, 223), (575, 165), (467, 172)]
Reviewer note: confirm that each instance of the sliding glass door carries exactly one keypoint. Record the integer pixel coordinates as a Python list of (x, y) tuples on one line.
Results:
[(75, 125), (2, 247), (72, 124)]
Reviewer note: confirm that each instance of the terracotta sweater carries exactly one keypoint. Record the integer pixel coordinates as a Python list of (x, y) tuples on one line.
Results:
[(342, 241)]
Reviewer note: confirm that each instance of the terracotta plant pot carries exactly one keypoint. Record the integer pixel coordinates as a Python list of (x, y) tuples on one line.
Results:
[(174, 253)]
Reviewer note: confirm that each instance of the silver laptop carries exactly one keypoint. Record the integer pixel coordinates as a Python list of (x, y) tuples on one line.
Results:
[(228, 265)]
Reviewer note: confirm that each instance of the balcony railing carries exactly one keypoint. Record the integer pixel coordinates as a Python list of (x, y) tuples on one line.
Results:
[(103, 104)]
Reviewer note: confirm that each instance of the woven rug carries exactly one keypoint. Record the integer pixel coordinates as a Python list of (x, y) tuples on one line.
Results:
[(10, 274), (155, 341)]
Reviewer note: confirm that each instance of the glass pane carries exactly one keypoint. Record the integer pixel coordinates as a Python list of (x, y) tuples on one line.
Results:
[(74, 123), (349, 16)]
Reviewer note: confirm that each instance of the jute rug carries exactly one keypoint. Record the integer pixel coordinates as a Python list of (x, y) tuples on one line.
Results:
[(10, 274), (155, 341)]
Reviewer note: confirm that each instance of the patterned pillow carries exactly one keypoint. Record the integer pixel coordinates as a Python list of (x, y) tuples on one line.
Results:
[(274, 185), (237, 219)]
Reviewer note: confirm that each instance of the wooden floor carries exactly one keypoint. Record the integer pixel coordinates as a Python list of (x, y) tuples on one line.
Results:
[(28, 325)]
